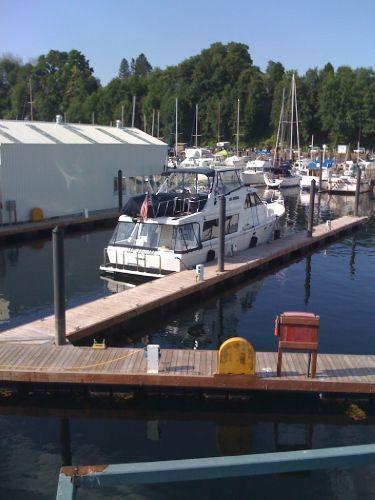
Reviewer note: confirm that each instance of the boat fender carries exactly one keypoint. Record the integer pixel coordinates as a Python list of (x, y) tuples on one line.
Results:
[(277, 326), (253, 242), (210, 255)]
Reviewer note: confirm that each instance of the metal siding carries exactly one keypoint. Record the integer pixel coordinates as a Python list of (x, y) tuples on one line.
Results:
[(65, 179)]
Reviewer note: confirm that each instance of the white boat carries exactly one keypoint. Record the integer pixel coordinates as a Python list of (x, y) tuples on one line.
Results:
[(253, 173), (281, 177), (178, 227), (345, 184)]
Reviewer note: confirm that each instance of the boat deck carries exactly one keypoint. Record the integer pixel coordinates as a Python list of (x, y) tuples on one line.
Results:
[(180, 369), (101, 314)]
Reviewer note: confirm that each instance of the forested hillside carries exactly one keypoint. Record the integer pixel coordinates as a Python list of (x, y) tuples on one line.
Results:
[(336, 106)]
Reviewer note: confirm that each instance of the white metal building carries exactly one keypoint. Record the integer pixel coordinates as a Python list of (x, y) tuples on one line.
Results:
[(65, 169)]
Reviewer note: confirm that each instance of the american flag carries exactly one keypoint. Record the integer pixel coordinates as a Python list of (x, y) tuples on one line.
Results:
[(147, 202)]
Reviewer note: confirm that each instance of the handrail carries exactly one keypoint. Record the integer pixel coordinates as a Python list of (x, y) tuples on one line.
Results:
[(209, 468)]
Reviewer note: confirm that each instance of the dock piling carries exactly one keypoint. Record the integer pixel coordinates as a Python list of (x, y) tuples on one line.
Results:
[(119, 184), (59, 284), (220, 261), (357, 190), (310, 223)]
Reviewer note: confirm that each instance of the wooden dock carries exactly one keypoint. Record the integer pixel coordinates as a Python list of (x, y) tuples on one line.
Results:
[(84, 367), (100, 315), (35, 229)]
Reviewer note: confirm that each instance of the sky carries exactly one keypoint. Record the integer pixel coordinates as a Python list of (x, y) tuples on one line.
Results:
[(299, 34)]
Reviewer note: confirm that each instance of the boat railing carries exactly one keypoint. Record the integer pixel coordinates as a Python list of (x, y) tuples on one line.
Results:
[(136, 259), (179, 206)]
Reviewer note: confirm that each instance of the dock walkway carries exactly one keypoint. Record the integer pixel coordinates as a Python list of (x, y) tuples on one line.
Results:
[(179, 369), (97, 316), (35, 228)]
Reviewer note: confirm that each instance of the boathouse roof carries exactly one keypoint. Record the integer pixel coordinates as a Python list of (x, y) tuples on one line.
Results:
[(34, 132)]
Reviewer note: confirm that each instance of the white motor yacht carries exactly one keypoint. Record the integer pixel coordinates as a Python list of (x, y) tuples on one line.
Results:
[(178, 227), (253, 173)]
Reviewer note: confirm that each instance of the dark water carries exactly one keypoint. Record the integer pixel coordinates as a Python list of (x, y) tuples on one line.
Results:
[(337, 283)]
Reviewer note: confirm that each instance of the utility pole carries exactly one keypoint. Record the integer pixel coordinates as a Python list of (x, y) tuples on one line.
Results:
[(122, 116)]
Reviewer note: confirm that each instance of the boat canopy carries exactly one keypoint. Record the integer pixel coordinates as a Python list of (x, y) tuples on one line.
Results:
[(191, 170)]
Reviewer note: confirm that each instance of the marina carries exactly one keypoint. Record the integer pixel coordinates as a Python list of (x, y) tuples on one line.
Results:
[(98, 316), (187, 245)]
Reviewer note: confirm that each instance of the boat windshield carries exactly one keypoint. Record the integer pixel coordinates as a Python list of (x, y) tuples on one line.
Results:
[(181, 239), (189, 182)]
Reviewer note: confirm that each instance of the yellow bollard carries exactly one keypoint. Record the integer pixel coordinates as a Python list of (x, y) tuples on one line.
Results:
[(236, 357)]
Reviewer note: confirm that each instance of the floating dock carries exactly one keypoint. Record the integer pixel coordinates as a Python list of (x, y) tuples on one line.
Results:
[(99, 316), (35, 229), (117, 369)]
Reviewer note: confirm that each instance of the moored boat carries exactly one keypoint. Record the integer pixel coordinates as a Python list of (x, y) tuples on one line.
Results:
[(178, 227)]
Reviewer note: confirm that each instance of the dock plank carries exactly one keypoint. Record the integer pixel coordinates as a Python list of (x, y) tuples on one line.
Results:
[(182, 368)]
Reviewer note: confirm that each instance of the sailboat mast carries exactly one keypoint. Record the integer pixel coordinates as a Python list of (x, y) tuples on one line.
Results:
[(196, 125), (238, 124), (133, 112), (31, 101), (153, 122), (218, 124), (158, 124), (279, 128), (176, 140), (297, 123), (291, 121)]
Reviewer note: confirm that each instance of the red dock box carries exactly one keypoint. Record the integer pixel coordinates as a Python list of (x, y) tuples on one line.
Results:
[(298, 330)]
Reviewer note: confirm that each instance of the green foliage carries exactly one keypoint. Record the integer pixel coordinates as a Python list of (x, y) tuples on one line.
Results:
[(335, 106)]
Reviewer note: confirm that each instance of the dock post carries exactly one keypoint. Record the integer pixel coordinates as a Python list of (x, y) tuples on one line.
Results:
[(310, 223), (220, 261), (59, 284), (320, 171), (119, 185), (357, 190)]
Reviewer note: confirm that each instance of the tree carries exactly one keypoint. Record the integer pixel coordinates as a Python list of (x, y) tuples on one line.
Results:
[(141, 66), (124, 70)]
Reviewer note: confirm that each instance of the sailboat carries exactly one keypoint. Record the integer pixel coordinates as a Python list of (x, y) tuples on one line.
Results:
[(281, 175)]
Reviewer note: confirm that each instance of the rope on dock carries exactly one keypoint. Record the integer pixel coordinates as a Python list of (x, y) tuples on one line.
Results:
[(94, 365)]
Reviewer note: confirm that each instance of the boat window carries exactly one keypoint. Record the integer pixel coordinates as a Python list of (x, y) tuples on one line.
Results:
[(191, 183), (211, 227), (228, 180), (132, 189), (186, 237), (255, 200), (139, 185), (231, 224), (155, 181), (115, 184)]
